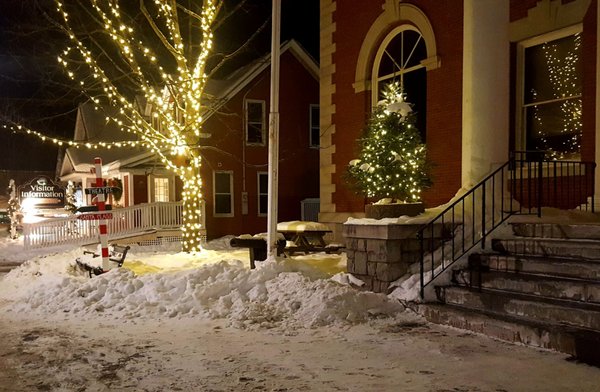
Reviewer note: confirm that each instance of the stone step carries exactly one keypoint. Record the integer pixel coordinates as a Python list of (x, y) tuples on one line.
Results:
[(590, 231), (575, 313), (570, 268), (549, 247), (581, 343), (547, 286), (7, 267)]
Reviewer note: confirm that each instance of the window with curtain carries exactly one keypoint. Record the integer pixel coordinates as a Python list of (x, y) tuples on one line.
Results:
[(161, 189)]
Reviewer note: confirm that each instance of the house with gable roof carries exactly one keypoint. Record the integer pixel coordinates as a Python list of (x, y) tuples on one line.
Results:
[(235, 150)]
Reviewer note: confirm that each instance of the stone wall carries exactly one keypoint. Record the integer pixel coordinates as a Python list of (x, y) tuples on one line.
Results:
[(380, 254)]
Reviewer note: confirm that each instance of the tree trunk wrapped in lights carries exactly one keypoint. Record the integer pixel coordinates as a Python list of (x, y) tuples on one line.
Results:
[(392, 162), (139, 60), (192, 207)]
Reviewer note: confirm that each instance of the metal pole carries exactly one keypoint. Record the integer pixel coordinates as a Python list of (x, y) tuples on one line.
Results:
[(274, 132)]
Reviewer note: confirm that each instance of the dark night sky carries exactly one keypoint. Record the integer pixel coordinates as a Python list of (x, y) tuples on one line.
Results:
[(33, 87)]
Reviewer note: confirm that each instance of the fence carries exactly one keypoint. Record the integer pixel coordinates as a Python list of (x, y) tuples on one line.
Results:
[(523, 185), (125, 221)]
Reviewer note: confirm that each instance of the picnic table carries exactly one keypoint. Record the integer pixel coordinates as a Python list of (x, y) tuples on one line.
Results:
[(306, 237), (295, 237)]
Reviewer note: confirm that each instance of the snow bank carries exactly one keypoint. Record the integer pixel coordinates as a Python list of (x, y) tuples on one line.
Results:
[(287, 293)]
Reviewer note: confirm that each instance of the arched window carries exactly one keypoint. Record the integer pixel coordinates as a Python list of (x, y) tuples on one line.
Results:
[(400, 59)]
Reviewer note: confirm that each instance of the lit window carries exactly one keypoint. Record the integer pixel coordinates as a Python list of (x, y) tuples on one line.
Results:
[(223, 193), (551, 104), (263, 193), (255, 122), (400, 60), (161, 189), (315, 130)]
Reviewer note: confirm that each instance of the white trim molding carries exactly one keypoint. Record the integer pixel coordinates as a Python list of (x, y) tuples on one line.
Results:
[(394, 11), (327, 107), (547, 16)]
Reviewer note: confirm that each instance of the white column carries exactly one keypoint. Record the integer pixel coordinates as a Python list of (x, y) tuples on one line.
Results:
[(485, 88), (597, 121)]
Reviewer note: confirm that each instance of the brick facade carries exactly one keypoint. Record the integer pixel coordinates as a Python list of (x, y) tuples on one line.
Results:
[(444, 94), (298, 163), (352, 22)]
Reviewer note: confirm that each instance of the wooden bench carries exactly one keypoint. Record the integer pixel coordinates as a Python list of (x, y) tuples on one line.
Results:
[(116, 254)]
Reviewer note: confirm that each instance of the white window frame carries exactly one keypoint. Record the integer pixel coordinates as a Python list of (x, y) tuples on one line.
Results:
[(215, 213), (164, 180), (259, 194), (262, 123), (311, 128), (375, 78), (520, 125)]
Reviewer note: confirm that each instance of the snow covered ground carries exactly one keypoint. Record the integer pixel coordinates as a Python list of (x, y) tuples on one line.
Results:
[(170, 321)]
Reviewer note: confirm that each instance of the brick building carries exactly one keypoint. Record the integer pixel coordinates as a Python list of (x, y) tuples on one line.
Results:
[(235, 149), (485, 78)]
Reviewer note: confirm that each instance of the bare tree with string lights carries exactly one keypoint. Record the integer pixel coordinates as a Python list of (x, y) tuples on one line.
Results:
[(148, 54)]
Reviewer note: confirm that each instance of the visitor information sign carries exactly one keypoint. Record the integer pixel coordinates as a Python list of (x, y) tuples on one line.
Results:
[(42, 192)]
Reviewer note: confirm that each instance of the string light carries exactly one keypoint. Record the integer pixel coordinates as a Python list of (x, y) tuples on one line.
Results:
[(173, 131), (70, 143), (565, 83)]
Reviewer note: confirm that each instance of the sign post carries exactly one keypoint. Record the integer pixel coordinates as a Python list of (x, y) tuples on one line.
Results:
[(101, 209)]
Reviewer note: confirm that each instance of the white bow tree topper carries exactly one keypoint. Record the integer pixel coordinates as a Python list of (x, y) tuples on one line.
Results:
[(147, 56)]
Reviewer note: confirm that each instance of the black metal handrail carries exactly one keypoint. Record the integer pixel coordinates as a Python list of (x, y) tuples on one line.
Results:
[(523, 185)]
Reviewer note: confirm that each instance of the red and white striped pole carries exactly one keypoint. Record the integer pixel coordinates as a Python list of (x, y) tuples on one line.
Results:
[(102, 207)]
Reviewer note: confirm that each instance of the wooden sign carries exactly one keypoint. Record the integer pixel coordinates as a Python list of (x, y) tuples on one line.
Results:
[(96, 216), (42, 192), (105, 190)]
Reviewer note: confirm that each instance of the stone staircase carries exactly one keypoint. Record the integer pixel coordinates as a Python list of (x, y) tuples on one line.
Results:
[(541, 288)]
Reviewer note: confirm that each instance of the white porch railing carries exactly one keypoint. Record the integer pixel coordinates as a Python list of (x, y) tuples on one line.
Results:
[(126, 221)]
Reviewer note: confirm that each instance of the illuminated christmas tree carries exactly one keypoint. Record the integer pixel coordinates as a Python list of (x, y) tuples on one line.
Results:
[(392, 161), (14, 209), (70, 197)]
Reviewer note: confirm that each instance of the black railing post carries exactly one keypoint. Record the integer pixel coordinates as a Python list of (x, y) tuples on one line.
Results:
[(539, 184), (555, 182), (482, 214), (420, 237), (593, 183)]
